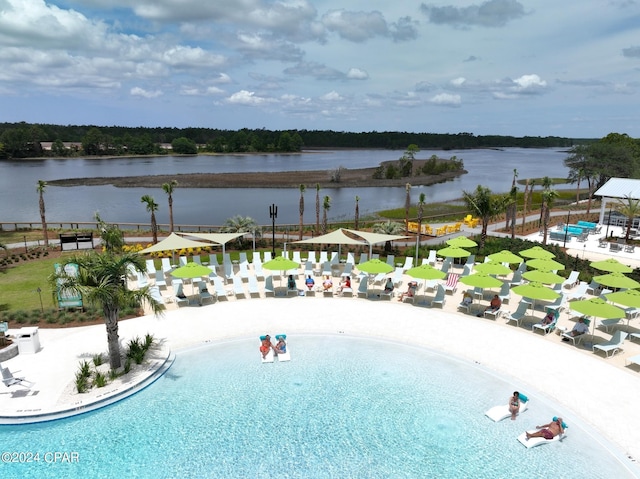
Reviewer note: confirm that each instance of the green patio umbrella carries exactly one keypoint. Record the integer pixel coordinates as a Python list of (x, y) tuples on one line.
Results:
[(505, 256), (544, 277), (453, 252), (597, 307), (280, 263), (462, 242), (492, 267), (375, 266), (611, 265), (481, 280), (535, 291), (426, 271), (629, 297), (191, 270), (545, 264), (616, 280), (536, 252)]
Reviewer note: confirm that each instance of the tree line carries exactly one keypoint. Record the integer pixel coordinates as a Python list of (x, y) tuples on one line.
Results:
[(24, 140)]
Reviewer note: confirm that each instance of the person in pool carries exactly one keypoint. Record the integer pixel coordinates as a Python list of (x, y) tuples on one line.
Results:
[(281, 346), (548, 431), (266, 346), (514, 405)]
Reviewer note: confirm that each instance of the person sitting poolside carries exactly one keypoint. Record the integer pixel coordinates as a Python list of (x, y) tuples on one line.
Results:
[(494, 305), (309, 282), (327, 284), (345, 284), (291, 282), (281, 346), (548, 319), (266, 346), (388, 287), (467, 299), (514, 405), (411, 290), (548, 431), (580, 328)]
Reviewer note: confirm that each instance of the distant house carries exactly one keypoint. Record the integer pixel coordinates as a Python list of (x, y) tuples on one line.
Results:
[(69, 145)]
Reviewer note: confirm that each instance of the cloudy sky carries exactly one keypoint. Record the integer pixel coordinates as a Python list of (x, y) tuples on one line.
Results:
[(508, 67)]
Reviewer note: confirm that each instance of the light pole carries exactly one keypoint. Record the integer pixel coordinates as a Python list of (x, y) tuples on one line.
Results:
[(566, 230), (273, 214)]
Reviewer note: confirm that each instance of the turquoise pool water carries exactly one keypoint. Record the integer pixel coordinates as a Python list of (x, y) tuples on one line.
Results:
[(342, 408)]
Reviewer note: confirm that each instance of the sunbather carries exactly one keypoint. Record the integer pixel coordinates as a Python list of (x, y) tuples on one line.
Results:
[(580, 328), (327, 284), (548, 431), (514, 405), (281, 346), (467, 299), (266, 346), (548, 319), (411, 291), (388, 287), (291, 282), (345, 283), (309, 282)]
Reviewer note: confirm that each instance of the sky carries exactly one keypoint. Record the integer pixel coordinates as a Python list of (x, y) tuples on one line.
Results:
[(496, 67)]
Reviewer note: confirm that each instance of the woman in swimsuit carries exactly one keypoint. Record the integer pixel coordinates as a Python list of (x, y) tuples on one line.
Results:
[(514, 405), (266, 346), (281, 347)]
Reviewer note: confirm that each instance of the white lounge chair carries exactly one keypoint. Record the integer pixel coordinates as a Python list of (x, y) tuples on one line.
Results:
[(213, 260), (397, 277), (364, 257), (203, 292), (297, 258), (254, 291), (547, 328), (505, 293), (8, 379), (311, 257), (391, 260), (579, 293), (609, 323), (572, 280), (221, 293), (166, 264), (432, 258), (238, 289), (267, 256), (178, 295), (243, 271), (183, 260), (242, 257), (500, 412), (408, 263), (519, 314), (594, 288), (268, 286), (256, 257), (612, 346), (348, 270), (440, 297), (154, 291), (258, 271), (351, 259), (196, 259), (363, 288), (161, 282), (151, 267)]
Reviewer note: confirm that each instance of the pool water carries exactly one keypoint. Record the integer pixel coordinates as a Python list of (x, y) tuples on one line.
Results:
[(341, 408)]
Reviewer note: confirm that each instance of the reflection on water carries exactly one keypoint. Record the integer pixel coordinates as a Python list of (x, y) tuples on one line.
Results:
[(19, 200)]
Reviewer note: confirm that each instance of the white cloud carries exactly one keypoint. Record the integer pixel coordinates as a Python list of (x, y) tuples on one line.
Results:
[(446, 99), (137, 91), (357, 74), (331, 96), (248, 98), (355, 26)]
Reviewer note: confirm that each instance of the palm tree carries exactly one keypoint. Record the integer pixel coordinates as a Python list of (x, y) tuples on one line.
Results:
[(510, 217), (326, 204), (240, 224), (302, 189), (111, 235), (549, 196), (317, 209), (407, 206), (546, 185), (484, 205), (629, 208), (99, 281), (357, 215), (40, 187), (421, 199), (168, 189), (152, 207), (388, 228)]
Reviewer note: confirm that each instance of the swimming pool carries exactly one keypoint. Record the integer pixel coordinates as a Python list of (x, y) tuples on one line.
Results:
[(343, 407)]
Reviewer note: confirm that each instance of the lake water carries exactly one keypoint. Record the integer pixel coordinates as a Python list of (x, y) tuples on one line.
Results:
[(19, 199)]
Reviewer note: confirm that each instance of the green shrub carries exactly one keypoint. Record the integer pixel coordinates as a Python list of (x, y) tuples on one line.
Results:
[(97, 360), (82, 384), (100, 380), (136, 350), (113, 374), (84, 369), (127, 366)]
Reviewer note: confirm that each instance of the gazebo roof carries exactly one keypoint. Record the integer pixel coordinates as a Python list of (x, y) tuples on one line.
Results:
[(620, 188)]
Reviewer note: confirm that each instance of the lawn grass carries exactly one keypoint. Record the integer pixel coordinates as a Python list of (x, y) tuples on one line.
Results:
[(19, 284)]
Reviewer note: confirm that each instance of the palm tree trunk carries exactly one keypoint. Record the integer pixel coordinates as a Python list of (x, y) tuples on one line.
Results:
[(154, 228), (301, 217), (113, 341), (317, 209), (44, 221), (357, 217), (170, 214)]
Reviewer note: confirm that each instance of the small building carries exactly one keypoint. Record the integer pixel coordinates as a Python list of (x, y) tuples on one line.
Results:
[(611, 192)]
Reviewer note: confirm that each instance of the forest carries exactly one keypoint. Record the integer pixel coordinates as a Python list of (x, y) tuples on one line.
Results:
[(25, 140)]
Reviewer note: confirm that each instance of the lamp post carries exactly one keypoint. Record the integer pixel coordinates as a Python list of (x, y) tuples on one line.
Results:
[(39, 291), (566, 230), (273, 214)]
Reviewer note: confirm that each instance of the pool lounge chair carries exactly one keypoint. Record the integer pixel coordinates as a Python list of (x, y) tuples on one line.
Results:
[(572, 280), (440, 297), (537, 441), (151, 267), (254, 291), (452, 283), (579, 293), (268, 286), (363, 288), (8, 379), (612, 346), (221, 293), (519, 314), (575, 339), (203, 292), (179, 297), (500, 412), (161, 282), (609, 323), (633, 360), (505, 293), (154, 292), (547, 328), (238, 289)]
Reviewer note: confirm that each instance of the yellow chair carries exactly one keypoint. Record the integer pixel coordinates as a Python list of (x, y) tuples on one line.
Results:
[(474, 222), (467, 219), (441, 231), (457, 227), (426, 230)]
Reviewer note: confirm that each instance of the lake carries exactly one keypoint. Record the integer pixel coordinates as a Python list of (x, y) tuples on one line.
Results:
[(19, 199)]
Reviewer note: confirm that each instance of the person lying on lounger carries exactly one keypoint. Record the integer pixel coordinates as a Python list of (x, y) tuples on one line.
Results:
[(266, 346), (580, 328), (548, 319), (281, 346), (411, 291), (548, 431)]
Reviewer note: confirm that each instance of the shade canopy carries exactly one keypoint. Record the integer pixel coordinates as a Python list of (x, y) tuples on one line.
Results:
[(375, 266), (492, 267), (375, 238), (536, 252), (481, 280), (453, 252), (616, 280), (174, 242), (597, 307), (535, 291), (219, 238), (191, 270), (611, 265), (629, 297), (280, 263), (335, 237), (462, 242), (545, 277), (426, 271), (545, 264), (505, 256)]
